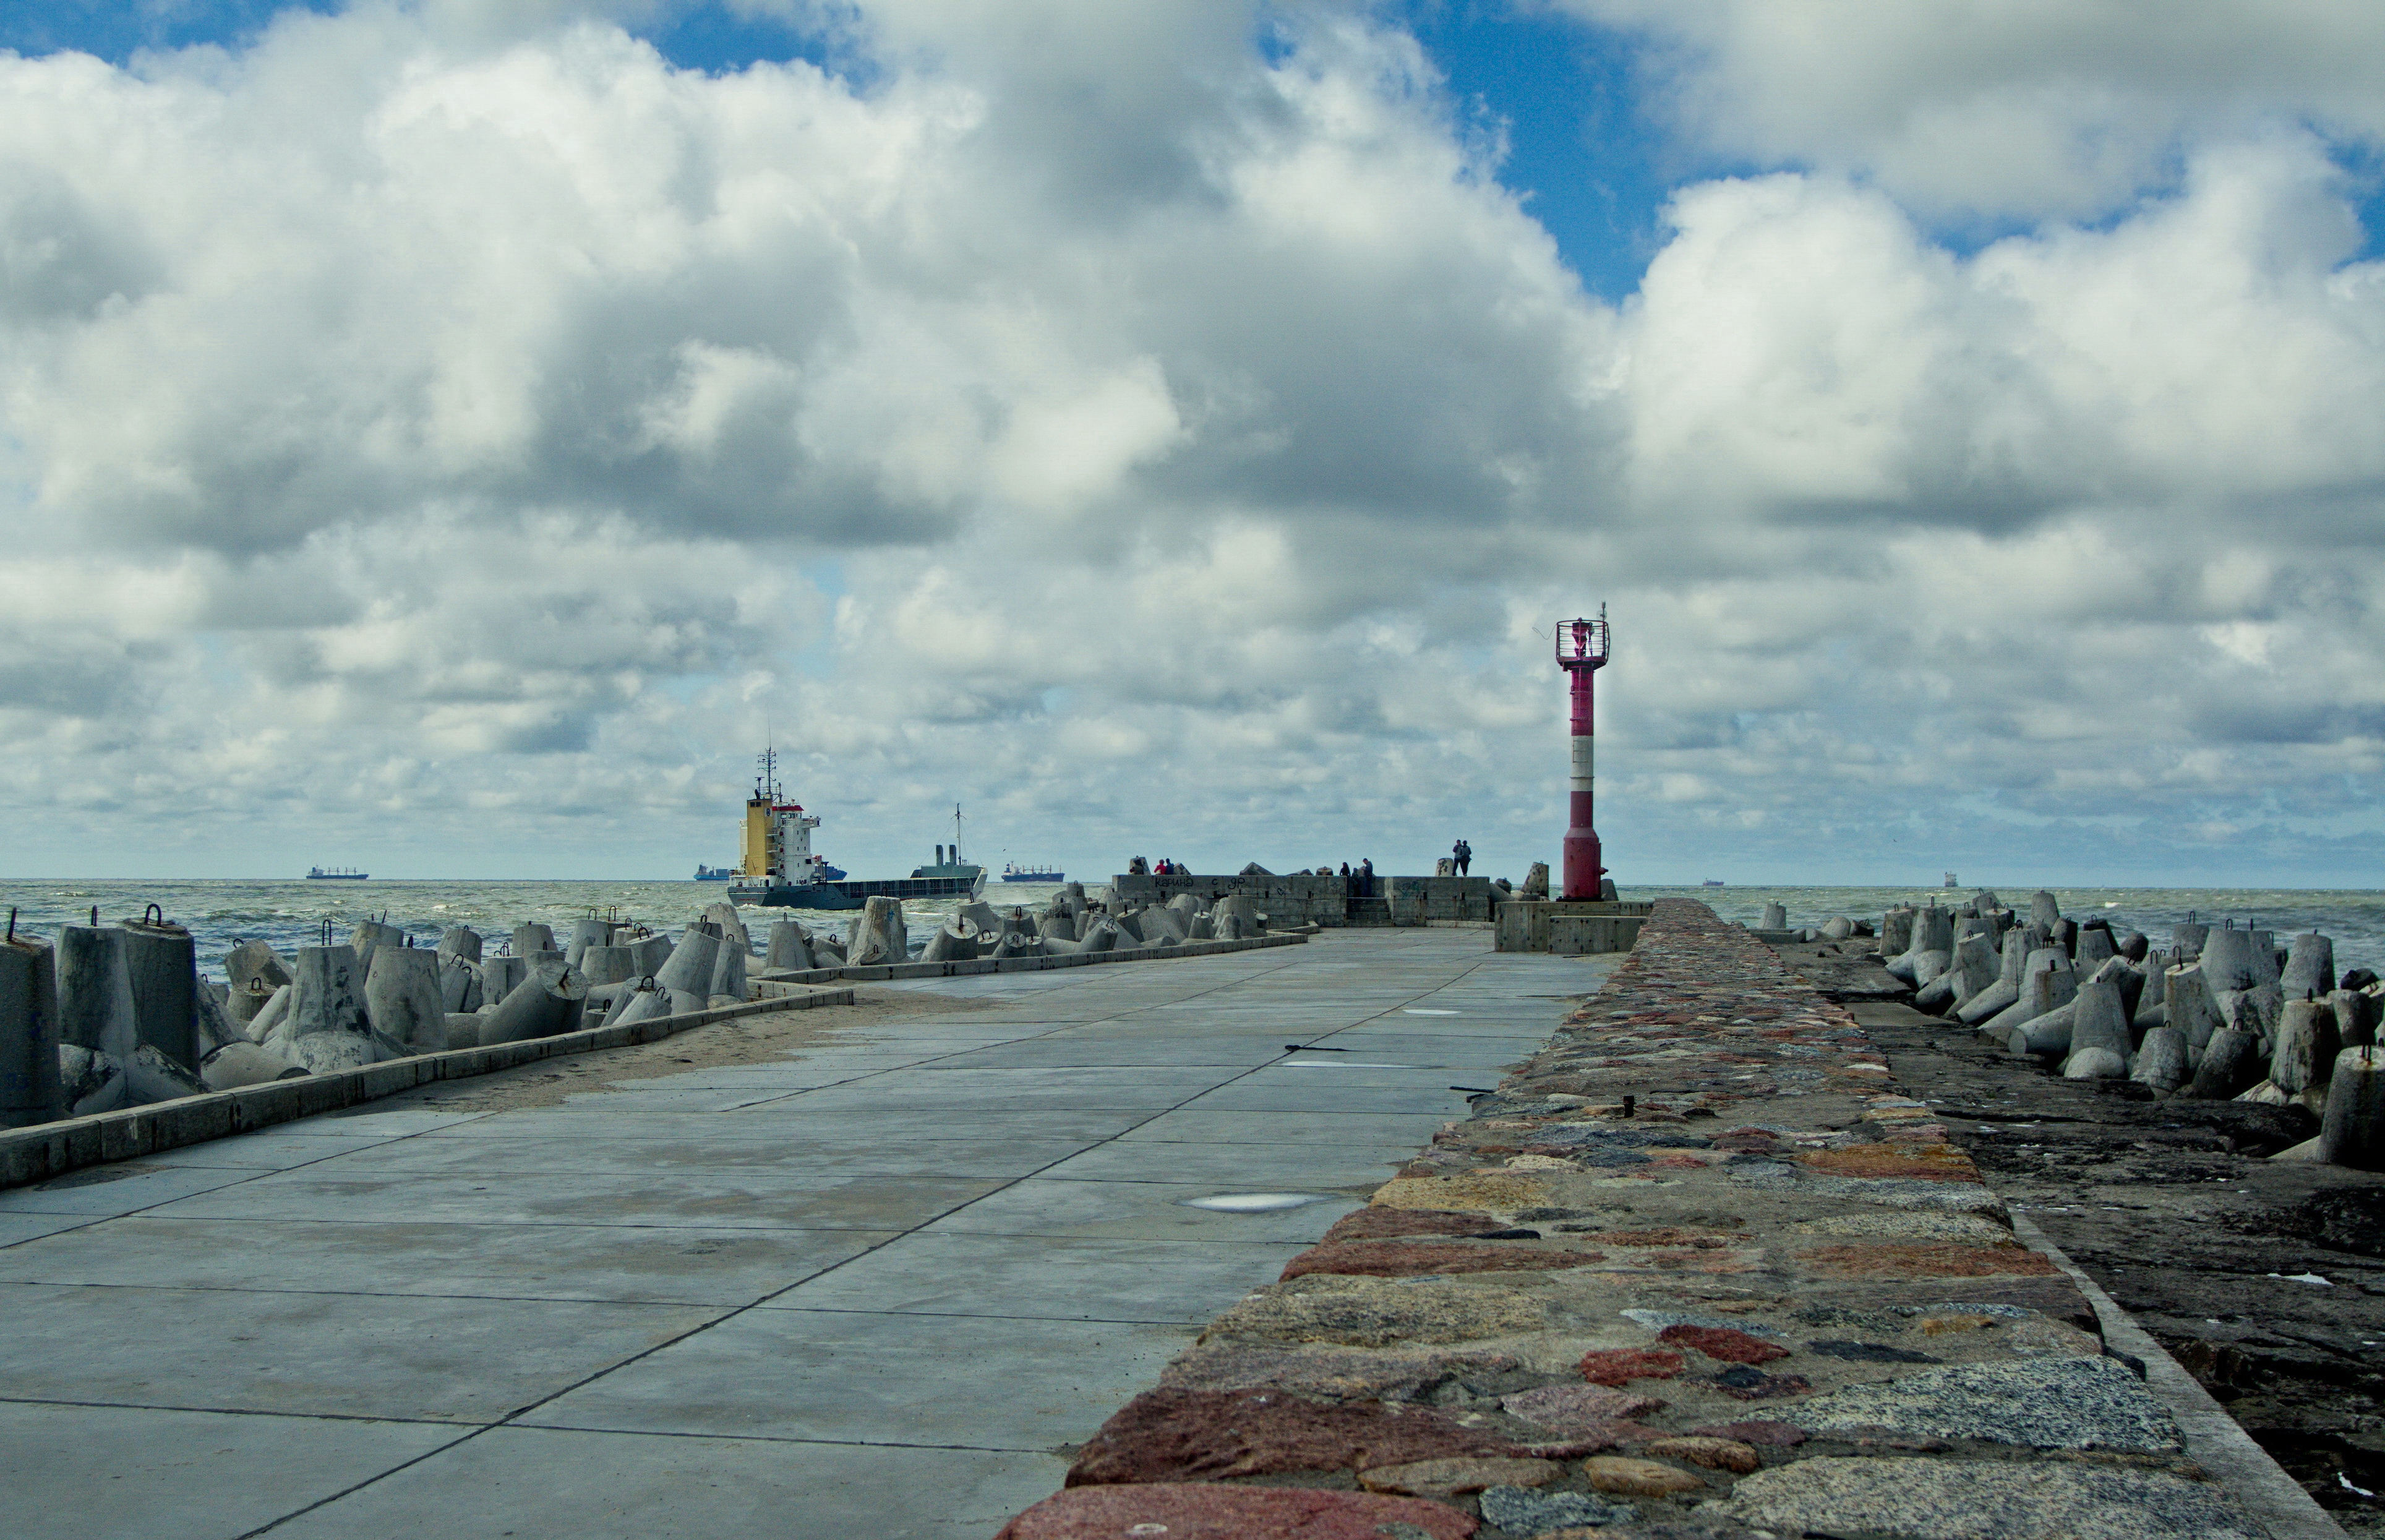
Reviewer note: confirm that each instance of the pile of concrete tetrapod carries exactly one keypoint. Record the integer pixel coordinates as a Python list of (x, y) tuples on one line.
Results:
[(1698, 1267), (2220, 1012), (116, 1016)]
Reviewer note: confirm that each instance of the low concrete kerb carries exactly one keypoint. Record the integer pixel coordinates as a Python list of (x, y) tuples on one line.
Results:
[(46, 1150), (2214, 1440), (963, 966)]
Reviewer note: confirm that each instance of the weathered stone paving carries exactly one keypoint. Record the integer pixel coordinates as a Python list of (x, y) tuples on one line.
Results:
[(1698, 1267)]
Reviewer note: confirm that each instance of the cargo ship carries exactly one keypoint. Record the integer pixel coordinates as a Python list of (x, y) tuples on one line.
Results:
[(1012, 873), (782, 871), (337, 874)]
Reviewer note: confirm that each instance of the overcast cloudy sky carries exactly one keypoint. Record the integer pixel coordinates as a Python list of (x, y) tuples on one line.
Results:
[(449, 437)]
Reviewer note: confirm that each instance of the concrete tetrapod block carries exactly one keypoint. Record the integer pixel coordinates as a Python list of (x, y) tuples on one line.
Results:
[(1158, 922), (2153, 996), (2352, 1125), (1896, 930), (2267, 964), (584, 934), (95, 991), (326, 1052), (1058, 927), (640, 1004), (326, 995), (723, 916), (790, 946), (691, 962), (2116, 971), (2355, 1017), (1102, 935), (162, 963), (2306, 1046), (2310, 967), (369, 936), (978, 918), (2227, 959), (90, 1081), (2094, 944), (878, 935), (1837, 928), (1776, 917), (2099, 1038), (2000, 995), (2043, 910), (216, 1027), (542, 1004), (252, 961), (238, 1064), (270, 1015), (1203, 928), (2046, 1036), (151, 1076), (31, 1091), (405, 999), (1973, 968), (461, 940), (2160, 1060), (946, 945), (1927, 965), (2192, 1011), (459, 984), (610, 964), (728, 968), (2229, 1062), (500, 976), (2047, 983), (653, 952), (531, 936)]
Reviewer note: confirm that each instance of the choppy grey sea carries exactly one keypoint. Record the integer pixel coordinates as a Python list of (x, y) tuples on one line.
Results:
[(293, 912)]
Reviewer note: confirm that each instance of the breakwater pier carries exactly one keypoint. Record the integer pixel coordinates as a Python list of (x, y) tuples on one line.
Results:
[(1384, 1233)]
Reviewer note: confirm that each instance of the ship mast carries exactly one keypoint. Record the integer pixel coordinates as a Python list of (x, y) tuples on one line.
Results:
[(956, 833)]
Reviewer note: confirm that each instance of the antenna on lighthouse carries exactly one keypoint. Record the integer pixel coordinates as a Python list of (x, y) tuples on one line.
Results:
[(1581, 652)]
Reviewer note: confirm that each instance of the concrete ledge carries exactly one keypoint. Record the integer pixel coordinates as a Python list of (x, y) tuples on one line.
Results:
[(2214, 1440), (46, 1150), (771, 978)]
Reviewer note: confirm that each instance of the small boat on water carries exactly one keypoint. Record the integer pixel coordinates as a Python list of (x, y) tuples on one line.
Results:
[(1015, 873), (1713, 882), (337, 874)]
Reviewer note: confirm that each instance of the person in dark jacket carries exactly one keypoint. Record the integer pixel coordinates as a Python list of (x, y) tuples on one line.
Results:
[(1462, 856)]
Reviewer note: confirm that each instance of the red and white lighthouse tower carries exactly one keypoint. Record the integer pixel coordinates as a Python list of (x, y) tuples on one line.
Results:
[(1581, 652)]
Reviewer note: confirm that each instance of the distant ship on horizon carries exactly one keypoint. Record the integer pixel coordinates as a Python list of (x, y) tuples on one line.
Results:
[(337, 874), (714, 873), (1014, 874)]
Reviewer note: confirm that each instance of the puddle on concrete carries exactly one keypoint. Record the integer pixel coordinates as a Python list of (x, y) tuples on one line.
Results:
[(1254, 1203)]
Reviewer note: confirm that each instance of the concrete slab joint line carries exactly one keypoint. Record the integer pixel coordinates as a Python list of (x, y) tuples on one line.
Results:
[(1699, 1259), (48, 1150)]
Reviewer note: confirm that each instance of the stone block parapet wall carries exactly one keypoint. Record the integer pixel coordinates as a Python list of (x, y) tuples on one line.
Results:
[(46, 1150), (1328, 900), (1700, 1267)]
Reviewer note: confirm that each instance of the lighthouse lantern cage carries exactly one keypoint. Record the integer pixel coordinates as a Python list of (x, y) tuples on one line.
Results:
[(1581, 643)]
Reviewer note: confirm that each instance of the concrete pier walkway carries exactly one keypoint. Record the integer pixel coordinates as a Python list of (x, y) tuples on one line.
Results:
[(865, 1293)]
